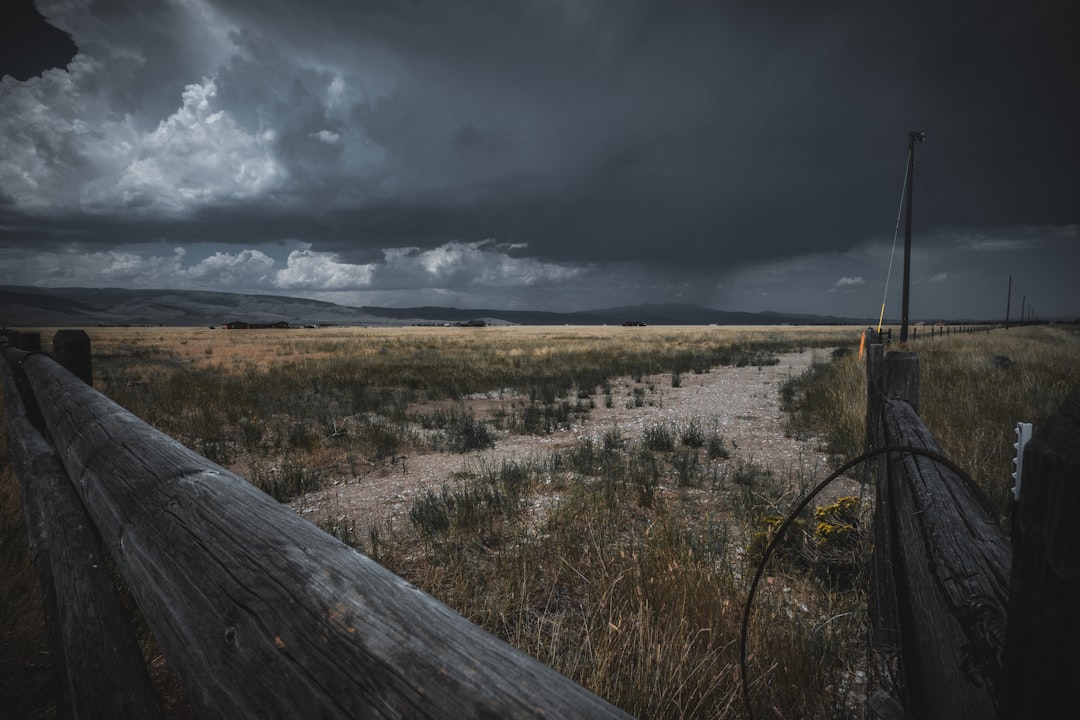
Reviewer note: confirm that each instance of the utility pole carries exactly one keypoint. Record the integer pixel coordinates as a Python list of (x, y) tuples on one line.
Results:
[(1023, 301), (912, 137), (1008, 302)]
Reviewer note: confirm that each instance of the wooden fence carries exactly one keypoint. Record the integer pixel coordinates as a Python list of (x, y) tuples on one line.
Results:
[(982, 628), (259, 613), (933, 331)]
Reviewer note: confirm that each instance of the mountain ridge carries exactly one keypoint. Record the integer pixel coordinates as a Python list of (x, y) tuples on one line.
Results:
[(23, 306)]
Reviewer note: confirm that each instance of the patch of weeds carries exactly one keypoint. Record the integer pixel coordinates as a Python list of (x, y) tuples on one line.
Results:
[(749, 474), (838, 535), (659, 438), (583, 458), (467, 433), (790, 552), (302, 437), (715, 449), (693, 435), (286, 481), (381, 440), (252, 429), (612, 440), (544, 418), (687, 466), (341, 526), (430, 512), (479, 507), (643, 473)]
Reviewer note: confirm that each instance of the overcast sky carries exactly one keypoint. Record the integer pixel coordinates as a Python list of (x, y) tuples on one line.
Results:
[(547, 154)]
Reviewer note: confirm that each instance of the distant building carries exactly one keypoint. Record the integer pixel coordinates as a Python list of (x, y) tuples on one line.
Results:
[(241, 325)]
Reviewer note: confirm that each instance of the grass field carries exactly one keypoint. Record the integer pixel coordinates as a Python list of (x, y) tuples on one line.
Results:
[(635, 594)]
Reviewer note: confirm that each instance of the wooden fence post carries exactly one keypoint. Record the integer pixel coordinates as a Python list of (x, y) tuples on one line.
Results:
[(26, 340), (953, 565), (71, 348), (901, 378), (1042, 649), (883, 612), (949, 560), (875, 352)]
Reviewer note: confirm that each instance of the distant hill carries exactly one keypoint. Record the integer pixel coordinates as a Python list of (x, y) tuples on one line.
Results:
[(87, 307)]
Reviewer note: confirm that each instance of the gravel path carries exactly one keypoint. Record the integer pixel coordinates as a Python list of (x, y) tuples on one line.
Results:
[(742, 403)]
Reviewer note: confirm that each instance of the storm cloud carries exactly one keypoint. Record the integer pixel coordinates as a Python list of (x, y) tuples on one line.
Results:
[(550, 154)]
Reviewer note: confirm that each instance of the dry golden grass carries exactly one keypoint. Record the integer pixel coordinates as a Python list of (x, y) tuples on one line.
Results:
[(975, 389), (633, 593)]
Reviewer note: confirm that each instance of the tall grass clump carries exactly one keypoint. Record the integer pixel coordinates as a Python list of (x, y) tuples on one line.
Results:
[(828, 401), (616, 595), (974, 389), (637, 597)]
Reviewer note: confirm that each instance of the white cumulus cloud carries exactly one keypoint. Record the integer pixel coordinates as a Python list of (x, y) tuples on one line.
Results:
[(484, 262), (309, 270), (327, 136), (198, 156), (245, 269)]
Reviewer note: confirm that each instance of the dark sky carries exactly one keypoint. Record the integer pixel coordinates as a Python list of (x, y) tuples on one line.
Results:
[(547, 154)]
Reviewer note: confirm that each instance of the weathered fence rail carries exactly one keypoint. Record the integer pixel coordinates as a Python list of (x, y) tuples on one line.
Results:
[(98, 667), (982, 630), (259, 613), (944, 330)]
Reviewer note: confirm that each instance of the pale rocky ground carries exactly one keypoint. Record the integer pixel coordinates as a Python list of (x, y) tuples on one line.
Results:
[(743, 403)]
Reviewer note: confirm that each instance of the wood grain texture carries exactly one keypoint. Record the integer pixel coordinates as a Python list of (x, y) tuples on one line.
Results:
[(98, 667), (952, 566), (260, 613)]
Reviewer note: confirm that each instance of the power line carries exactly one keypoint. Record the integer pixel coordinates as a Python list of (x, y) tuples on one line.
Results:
[(971, 100), (1020, 113)]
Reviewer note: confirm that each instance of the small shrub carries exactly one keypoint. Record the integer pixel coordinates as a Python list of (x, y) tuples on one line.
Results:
[(467, 433), (430, 512), (693, 436), (613, 441), (714, 448), (687, 467), (659, 438), (837, 525), (838, 536), (286, 481), (791, 549)]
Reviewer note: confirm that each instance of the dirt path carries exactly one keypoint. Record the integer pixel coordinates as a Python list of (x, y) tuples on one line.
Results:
[(743, 404)]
